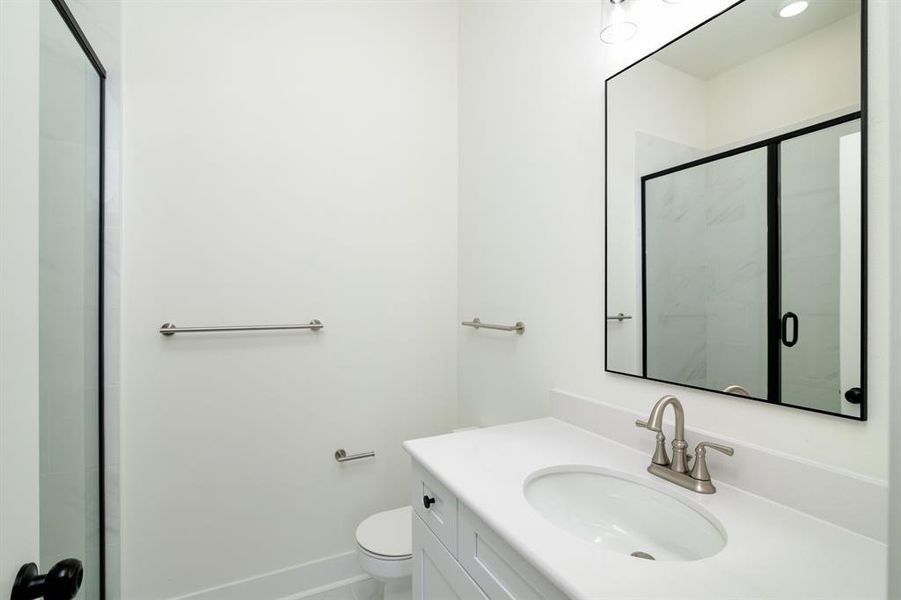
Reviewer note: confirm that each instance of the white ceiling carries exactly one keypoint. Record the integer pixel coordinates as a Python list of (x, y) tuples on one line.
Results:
[(748, 30)]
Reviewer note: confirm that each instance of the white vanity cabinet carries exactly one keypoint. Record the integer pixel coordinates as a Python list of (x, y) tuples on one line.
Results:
[(436, 574), (457, 557)]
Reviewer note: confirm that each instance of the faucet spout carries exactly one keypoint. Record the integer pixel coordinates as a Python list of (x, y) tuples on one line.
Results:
[(679, 463), (655, 421)]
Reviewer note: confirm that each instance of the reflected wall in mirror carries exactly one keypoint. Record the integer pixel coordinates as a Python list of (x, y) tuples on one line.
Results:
[(735, 208)]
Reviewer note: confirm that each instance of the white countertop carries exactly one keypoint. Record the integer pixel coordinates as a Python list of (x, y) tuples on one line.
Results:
[(772, 551)]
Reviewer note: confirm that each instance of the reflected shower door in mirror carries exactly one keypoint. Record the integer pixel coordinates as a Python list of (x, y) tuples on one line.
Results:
[(707, 290), (735, 209), (820, 269), (705, 274)]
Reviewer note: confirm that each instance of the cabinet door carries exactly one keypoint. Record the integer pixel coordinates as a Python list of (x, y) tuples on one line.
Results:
[(496, 567), (436, 575)]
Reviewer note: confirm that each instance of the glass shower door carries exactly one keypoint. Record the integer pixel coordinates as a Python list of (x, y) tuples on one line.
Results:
[(820, 271), (69, 302), (705, 275)]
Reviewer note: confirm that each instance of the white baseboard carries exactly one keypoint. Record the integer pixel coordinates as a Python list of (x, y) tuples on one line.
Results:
[(326, 588), (849, 500), (293, 583)]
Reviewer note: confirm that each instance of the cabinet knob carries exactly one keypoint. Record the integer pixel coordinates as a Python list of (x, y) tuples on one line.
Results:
[(427, 502)]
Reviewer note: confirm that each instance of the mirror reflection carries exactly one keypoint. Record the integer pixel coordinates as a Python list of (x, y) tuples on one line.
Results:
[(735, 209)]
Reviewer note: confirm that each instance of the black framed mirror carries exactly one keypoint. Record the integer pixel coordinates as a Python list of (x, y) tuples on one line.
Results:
[(736, 208)]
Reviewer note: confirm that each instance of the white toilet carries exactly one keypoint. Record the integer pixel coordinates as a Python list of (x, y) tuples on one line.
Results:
[(385, 550)]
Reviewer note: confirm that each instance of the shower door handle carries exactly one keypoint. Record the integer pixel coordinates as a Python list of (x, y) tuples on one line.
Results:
[(854, 395), (61, 582), (789, 316)]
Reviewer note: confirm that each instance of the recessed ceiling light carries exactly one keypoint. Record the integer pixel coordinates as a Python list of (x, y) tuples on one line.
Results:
[(792, 8), (619, 28)]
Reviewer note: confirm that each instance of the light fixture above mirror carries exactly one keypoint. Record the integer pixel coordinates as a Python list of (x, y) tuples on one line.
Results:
[(619, 27)]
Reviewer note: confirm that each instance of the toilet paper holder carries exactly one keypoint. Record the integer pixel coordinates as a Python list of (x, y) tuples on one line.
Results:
[(341, 455)]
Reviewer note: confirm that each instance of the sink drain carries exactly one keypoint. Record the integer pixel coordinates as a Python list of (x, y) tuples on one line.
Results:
[(643, 555)]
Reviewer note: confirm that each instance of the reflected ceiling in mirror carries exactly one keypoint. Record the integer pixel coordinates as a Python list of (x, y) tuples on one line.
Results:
[(735, 208)]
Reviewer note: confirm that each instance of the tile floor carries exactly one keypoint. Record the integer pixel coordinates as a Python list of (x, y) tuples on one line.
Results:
[(368, 589)]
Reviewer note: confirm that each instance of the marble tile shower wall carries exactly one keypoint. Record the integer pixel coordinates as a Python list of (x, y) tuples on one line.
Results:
[(736, 254), (706, 243), (676, 321)]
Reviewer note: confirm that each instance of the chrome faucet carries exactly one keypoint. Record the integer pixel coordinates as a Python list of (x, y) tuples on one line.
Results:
[(677, 471)]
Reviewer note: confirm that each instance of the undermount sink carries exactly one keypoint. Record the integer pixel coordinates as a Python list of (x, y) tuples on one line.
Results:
[(622, 514)]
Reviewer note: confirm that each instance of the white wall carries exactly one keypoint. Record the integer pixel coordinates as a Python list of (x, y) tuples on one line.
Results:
[(19, 286), (893, 24), (784, 87), (531, 229), (530, 178), (283, 161)]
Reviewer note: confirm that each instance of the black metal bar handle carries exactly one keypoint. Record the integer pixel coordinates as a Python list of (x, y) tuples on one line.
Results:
[(61, 582), (789, 316)]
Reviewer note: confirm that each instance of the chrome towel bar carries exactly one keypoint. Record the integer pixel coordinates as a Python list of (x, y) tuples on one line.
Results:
[(172, 329), (619, 317), (476, 323), (342, 456)]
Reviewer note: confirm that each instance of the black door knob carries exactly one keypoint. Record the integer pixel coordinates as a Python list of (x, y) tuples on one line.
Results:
[(62, 582), (854, 395), (427, 502)]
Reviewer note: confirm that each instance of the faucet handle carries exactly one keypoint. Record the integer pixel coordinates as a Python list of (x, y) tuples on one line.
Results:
[(724, 449), (699, 471), (660, 456)]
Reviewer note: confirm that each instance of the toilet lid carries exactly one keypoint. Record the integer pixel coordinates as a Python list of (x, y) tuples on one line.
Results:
[(388, 533)]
